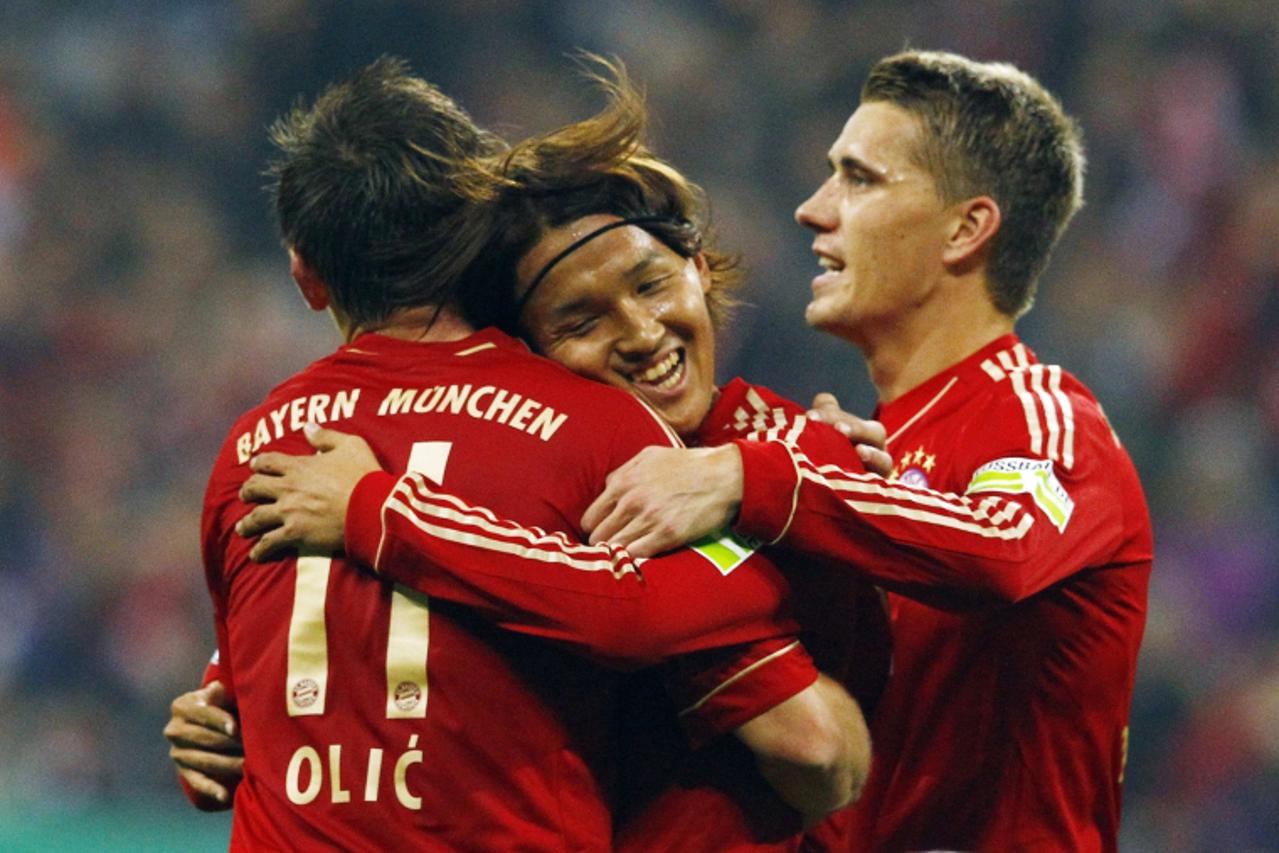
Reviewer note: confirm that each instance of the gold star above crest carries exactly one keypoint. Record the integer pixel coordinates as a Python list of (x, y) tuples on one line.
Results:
[(929, 462)]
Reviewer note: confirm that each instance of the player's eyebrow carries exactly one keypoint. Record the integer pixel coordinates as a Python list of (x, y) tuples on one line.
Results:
[(849, 163), (640, 267), (583, 303)]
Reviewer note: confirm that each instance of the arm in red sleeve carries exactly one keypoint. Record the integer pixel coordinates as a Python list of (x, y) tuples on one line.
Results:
[(808, 735), (594, 598), (717, 691), (1023, 523)]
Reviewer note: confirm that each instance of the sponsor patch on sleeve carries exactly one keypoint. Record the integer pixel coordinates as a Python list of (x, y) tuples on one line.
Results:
[(726, 551), (1034, 477)]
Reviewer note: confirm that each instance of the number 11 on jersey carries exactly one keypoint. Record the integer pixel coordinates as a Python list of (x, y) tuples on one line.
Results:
[(408, 637)]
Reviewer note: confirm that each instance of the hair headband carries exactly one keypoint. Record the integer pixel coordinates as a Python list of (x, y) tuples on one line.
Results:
[(582, 241)]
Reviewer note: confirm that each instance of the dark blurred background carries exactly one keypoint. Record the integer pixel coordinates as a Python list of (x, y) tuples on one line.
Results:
[(145, 301)]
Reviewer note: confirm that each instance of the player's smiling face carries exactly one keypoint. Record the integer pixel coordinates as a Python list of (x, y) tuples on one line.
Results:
[(880, 226), (627, 310)]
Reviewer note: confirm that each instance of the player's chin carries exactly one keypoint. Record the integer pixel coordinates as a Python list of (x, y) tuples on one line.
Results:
[(685, 415), (819, 315)]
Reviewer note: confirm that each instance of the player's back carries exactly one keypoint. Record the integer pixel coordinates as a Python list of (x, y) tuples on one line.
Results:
[(369, 712)]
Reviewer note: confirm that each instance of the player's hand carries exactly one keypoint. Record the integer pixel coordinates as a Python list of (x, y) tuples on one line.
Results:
[(204, 743), (304, 498), (665, 497), (869, 436)]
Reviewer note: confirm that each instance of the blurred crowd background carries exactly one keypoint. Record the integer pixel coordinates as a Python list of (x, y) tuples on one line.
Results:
[(145, 301)]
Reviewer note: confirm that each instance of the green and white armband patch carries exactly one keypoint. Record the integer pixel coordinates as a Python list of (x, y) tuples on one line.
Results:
[(1032, 477), (726, 551)]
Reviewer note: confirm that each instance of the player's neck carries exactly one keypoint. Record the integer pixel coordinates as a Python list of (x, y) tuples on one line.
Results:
[(426, 323), (929, 341)]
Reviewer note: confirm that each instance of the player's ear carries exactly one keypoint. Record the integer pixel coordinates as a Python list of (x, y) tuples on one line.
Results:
[(974, 225), (313, 289)]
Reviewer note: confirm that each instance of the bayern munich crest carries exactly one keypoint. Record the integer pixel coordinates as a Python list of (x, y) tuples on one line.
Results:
[(305, 692), (407, 695), (914, 477), (914, 467)]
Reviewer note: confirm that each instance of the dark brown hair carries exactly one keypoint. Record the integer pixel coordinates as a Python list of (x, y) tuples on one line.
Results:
[(599, 165), (990, 129), (367, 191)]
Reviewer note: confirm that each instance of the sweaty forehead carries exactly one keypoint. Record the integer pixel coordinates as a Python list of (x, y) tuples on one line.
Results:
[(878, 134), (616, 253), (556, 240)]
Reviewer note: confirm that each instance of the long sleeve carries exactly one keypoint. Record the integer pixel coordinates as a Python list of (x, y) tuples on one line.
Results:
[(595, 598), (1024, 522)]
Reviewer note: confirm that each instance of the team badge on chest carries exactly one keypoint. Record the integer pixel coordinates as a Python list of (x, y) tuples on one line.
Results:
[(914, 467)]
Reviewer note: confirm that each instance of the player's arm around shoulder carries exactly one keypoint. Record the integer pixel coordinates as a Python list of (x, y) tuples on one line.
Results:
[(662, 498)]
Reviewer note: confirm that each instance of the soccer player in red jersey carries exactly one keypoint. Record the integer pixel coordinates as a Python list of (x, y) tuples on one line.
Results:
[(372, 717), (1004, 724), (706, 801)]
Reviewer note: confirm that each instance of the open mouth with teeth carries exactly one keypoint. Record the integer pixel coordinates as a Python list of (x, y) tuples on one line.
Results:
[(831, 269), (664, 375)]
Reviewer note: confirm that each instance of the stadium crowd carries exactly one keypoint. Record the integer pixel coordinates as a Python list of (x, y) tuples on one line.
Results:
[(135, 241)]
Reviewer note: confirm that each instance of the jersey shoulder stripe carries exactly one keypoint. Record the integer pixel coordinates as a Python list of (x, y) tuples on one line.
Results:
[(1047, 409)]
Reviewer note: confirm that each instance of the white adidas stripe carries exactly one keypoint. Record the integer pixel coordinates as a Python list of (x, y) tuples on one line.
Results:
[(895, 488), (484, 543), (1067, 417), (531, 543), (992, 370), (431, 504), (1028, 406), (1052, 451), (945, 520), (1052, 433), (959, 505), (934, 511)]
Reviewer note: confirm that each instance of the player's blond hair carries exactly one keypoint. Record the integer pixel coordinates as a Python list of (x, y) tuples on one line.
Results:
[(991, 129)]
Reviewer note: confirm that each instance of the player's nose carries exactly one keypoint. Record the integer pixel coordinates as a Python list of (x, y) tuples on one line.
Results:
[(816, 211), (642, 332)]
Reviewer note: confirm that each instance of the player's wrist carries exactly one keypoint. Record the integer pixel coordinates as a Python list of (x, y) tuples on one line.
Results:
[(363, 526), (770, 481), (728, 477)]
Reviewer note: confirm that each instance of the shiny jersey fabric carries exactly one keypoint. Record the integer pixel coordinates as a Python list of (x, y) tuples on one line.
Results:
[(713, 799), (374, 717), (1016, 546)]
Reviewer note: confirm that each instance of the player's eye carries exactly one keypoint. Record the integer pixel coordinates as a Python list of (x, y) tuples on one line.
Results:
[(579, 327), (652, 285), (857, 177)]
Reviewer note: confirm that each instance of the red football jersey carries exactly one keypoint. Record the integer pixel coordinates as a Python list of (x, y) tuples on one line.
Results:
[(372, 716), (598, 599), (712, 800), (1015, 539)]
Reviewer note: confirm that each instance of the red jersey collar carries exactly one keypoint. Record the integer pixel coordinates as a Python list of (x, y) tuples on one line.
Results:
[(372, 343), (719, 419), (969, 371)]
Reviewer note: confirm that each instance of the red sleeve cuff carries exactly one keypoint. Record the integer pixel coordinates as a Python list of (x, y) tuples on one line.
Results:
[(770, 489), (742, 687), (363, 530)]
